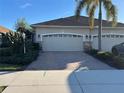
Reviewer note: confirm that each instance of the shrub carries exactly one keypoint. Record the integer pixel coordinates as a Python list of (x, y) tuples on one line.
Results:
[(5, 41), (6, 51), (104, 55), (118, 62), (108, 58), (35, 46), (20, 59)]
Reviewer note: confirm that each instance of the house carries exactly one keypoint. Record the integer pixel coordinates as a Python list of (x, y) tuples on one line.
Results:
[(69, 34), (3, 30)]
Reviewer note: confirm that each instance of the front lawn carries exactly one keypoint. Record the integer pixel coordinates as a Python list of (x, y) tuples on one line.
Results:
[(10, 67), (108, 58), (2, 88)]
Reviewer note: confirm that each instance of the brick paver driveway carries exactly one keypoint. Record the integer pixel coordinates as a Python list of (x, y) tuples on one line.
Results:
[(66, 60)]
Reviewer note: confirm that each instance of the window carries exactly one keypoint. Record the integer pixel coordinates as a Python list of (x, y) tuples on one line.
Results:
[(121, 36), (117, 36), (55, 35), (50, 35), (86, 36), (94, 36), (103, 35), (112, 36), (60, 35), (107, 35), (74, 35), (38, 35), (70, 35), (79, 36), (65, 35), (45, 36), (89, 36)]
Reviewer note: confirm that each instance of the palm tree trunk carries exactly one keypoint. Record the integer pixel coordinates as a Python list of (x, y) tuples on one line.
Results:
[(100, 26)]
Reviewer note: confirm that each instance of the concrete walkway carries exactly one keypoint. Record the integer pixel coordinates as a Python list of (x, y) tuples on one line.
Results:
[(67, 61), (63, 81)]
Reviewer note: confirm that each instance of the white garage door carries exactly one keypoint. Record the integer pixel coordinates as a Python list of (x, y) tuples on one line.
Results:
[(62, 42), (108, 41)]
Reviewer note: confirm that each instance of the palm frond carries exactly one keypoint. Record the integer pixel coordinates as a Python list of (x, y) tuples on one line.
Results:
[(91, 12), (107, 5), (80, 5), (111, 11), (91, 5)]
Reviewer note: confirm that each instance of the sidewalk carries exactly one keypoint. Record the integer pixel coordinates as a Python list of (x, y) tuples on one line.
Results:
[(64, 81)]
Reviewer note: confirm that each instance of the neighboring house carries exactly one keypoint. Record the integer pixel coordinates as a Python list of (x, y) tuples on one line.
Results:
[(68, 34), (2, 30)]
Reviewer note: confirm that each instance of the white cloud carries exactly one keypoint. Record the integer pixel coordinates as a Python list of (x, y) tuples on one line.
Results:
[(26, 5)]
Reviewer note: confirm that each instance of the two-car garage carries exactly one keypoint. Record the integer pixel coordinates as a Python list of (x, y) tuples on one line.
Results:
[(68, 34), (62, 42)]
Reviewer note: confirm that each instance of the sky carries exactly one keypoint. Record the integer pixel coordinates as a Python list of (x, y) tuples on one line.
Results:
[(35, 11)]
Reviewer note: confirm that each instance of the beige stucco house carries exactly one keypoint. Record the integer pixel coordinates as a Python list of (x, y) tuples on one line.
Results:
[(69, 34)]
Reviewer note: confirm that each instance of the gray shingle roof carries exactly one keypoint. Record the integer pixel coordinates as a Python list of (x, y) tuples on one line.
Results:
[(72, 21)]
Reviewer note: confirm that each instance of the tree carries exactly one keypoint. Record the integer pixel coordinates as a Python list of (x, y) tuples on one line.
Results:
[(25, 29), (91, 6), (22, 26)]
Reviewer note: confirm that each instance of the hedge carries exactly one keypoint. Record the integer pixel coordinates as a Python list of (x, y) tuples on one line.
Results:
[(105, 55), (20, 59), (6, 51)]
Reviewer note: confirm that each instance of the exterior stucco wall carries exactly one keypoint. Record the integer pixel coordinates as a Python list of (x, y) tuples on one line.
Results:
[(40, 31)]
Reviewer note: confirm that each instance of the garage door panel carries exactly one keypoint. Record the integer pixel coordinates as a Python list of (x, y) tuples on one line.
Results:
[(62, 43)]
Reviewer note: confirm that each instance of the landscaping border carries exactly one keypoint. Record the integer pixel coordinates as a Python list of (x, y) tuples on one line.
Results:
[(108, 58)]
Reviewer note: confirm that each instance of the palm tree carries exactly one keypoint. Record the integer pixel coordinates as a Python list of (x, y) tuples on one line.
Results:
[(25, 29), (22, 26), (91, 6)]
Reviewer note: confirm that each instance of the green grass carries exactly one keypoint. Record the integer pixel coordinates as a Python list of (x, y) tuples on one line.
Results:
[(2, 88), (7, 67)]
